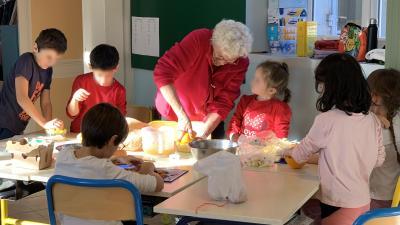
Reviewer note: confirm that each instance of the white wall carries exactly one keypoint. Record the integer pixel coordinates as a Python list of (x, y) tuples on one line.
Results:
[(257, 24), (301, 84), (107, 21), (94, 30)]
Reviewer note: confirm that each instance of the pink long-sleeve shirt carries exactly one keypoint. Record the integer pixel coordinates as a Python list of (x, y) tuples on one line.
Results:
[(350, 147)]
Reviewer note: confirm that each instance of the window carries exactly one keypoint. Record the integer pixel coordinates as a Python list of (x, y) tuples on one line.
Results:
[(332, 15), (382, 18)]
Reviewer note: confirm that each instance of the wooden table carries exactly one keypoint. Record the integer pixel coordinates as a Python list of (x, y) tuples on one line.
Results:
[(273, 198)]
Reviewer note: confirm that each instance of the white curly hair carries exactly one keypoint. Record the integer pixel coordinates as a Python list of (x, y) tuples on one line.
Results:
[(233, 38)]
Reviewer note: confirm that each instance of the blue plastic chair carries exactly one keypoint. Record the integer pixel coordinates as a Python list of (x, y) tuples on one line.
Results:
[(380, 216), (93, 199)]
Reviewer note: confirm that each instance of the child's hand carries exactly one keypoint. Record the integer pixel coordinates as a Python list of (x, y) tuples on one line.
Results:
[(385, 122), (54, 124), (128, 160), (80, 95), (313, 159), (287, 152), (147, 168), (234, 137)]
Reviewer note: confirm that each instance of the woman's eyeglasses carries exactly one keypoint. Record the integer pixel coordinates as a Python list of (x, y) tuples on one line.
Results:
[(225, 60)]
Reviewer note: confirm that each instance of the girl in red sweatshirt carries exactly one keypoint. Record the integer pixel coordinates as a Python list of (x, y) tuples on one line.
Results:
[(263, 111)]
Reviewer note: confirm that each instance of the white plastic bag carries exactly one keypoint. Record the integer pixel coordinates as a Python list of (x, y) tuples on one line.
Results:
[(225, 179)]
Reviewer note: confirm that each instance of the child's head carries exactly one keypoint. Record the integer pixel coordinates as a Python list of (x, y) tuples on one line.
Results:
[(340, 81), (49, 46), (104, 63), (104, 128), (385, 91), (271, 79)]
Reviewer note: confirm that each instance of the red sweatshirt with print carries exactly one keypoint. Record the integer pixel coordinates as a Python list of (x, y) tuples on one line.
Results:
[(253, 116)]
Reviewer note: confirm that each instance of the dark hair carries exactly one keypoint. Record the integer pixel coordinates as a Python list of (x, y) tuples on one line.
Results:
[(102, 122), (345, 87), (277, 76), (385, 83), (104, 57), (52, 39)]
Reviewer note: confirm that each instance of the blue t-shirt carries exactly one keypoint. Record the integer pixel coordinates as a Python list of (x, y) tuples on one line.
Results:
[(12, 116)]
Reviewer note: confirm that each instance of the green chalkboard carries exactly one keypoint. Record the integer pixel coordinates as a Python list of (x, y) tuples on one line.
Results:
[(179, 17)]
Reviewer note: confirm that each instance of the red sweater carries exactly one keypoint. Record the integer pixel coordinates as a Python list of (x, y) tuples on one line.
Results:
[(253, 116), (114, 94), (201, 87)]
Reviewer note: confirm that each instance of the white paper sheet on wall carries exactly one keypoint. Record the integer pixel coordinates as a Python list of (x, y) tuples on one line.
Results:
[(145, 36)]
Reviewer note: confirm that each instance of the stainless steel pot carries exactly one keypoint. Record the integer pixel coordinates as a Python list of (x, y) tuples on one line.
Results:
[(204, 148)]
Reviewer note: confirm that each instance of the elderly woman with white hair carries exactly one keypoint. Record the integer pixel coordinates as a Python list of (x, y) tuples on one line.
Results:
[(199, 78)]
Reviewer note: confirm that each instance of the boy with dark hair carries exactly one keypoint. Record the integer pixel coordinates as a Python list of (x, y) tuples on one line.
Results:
[(104, 128), (96, 87), (30, 79)]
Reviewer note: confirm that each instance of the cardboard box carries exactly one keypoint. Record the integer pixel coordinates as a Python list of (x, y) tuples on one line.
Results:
[(306, 37), (28, 156)]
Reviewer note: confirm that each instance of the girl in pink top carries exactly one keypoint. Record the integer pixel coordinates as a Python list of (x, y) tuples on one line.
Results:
[(347, 137)]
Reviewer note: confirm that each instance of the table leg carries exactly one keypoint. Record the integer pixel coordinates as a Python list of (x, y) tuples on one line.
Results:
[(4, 211), (5, 220)]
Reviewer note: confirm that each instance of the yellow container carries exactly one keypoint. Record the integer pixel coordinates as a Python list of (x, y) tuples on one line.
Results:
[(161, 123), (306, 37)]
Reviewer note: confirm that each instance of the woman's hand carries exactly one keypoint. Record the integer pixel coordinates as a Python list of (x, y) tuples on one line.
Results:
[(184, 126)]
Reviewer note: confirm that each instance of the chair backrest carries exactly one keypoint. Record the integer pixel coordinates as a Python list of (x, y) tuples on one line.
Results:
[(379, 217), (396, 195), (142, 113), (93, 199)]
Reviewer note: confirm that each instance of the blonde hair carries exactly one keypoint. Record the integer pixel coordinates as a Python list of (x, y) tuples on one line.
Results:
[(233, 38)]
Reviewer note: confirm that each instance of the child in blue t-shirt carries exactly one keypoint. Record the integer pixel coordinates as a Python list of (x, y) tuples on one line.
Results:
[(30, 79)]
